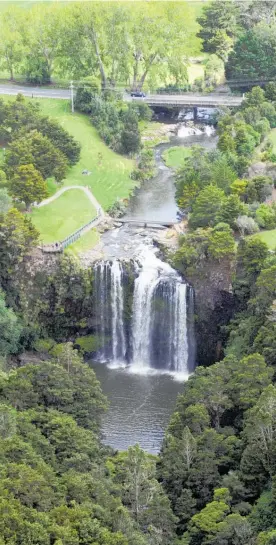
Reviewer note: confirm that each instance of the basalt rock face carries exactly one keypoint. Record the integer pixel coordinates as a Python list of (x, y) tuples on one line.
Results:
[(214, 308)]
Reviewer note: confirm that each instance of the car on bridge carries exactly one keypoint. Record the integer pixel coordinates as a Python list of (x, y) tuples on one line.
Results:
[(137, 94)]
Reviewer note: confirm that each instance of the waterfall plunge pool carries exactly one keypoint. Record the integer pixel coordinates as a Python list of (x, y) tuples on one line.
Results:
[(140, 406)]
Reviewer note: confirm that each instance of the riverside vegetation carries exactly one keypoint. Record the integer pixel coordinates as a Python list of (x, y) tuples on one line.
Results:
[(214, 480)]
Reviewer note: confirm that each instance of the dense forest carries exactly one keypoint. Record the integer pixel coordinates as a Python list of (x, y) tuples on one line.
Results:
[(214, 481)]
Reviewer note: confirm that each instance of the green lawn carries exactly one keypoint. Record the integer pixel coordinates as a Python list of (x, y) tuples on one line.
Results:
[(66, 214), (269, 237), (109, 177), (84, 243), (195, 71), (108, 181), (174, 157)]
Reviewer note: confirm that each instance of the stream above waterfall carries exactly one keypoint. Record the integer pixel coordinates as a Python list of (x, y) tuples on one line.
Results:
[(144, 314)]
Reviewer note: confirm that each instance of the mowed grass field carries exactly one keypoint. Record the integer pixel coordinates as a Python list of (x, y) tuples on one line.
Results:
[(84, 243), (56, 220), (269, 237), (109, 178)]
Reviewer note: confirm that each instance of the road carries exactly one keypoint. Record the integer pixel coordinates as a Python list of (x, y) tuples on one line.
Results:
[(189, 100), (35, 92)]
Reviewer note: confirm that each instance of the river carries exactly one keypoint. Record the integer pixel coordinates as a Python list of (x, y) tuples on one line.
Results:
[(142, 397)]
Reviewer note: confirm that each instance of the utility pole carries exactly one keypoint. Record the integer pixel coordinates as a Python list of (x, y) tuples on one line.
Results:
[(72, 96)]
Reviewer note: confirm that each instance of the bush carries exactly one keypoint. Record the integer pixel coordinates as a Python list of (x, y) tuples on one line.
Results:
[(246, 225), (130, 140), (259, 188), (266, 216), (88, 89), (144, 112), (173, 88), (88, 343), (37, 70)]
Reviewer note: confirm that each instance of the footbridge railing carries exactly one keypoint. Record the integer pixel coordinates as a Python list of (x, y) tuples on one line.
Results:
[(59, 246)]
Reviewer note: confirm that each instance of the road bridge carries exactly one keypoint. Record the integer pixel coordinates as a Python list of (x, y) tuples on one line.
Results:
[(191, 101), (147, 223)]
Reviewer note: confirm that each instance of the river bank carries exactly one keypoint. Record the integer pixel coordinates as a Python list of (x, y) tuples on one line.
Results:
[(154, 200)]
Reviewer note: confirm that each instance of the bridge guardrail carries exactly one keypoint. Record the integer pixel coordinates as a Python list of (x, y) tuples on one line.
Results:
[(198, 103)]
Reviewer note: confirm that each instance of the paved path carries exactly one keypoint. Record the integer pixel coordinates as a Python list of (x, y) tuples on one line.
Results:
[(86, 190)]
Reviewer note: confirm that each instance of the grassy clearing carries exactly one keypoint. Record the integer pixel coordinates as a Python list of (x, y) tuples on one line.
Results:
[(195, 71), (269, 237), (109, 178), (66, 214), (110, 172), (174, 157), (85, 243)]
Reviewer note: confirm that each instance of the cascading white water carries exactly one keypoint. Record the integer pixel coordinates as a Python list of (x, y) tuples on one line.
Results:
[(117, 311), (158, 332), (180, 340), (145, 286), (109, 300), (159, 325)]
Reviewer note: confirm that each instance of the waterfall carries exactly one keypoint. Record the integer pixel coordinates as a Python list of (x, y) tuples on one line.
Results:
[(158, 330), (117, 309), (109, 299)]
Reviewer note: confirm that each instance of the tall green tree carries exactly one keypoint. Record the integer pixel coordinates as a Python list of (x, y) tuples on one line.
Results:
[(42, 35), (12, 46), (36, 149), (219, 27), (10, 329), (5, 201), (27, 185), (253, 54), (206, 206), (17, 236)]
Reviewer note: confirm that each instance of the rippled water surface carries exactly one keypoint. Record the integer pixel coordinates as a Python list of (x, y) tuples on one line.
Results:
[(139, 407), (155, 199)]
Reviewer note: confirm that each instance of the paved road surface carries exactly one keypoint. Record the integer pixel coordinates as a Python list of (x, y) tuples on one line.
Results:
[(36, 92), (188, 100)]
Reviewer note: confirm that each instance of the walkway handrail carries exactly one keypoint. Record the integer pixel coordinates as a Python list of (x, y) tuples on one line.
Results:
[(58, 247)]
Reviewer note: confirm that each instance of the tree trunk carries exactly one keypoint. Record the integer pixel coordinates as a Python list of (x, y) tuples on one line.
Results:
[(10, 67), (144, 75), (98, 55), (135, 73)]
